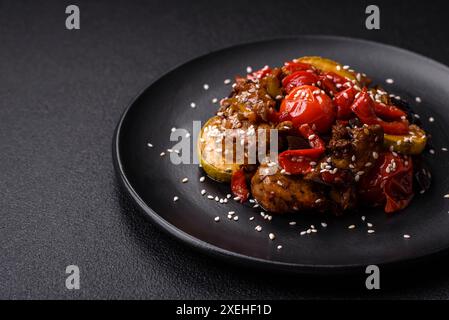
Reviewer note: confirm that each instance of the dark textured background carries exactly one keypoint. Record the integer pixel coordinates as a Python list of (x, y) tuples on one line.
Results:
[(61, 94)]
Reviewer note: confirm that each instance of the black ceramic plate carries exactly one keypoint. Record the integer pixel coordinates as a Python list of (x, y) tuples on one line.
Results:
[(153, 181)]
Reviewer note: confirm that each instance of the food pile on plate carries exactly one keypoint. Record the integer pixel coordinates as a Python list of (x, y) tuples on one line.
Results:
[(341, 142)]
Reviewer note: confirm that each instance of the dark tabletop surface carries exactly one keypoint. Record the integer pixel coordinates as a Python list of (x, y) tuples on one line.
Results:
[(61, 95)]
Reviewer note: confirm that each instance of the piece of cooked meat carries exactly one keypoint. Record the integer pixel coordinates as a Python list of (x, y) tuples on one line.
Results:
[(355, 149), (251, 99), (280, 193), (344, 198)]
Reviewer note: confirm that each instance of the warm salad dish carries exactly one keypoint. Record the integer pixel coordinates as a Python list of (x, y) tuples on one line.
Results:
[(342, 141)]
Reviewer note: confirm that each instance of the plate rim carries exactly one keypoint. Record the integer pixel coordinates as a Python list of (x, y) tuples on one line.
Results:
[(224, 254)]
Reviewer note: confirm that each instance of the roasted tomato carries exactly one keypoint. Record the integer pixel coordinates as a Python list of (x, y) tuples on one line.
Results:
[(390, 183), (299, 78), (308, 105)]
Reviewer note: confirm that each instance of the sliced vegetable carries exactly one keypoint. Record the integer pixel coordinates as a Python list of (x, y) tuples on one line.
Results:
[(364, 109), (343, 101), (412, 143), (238, 185), (299, 161), (390, 183), (327, 65), (212, 161)]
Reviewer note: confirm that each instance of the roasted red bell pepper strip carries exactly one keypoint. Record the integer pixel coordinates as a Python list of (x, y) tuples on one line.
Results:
[(327, 85), (388, 112), (364, 109), (314, 140), (259, 74), (390, 183), (299, 78), (298, 161), (238, 185), (343, 100)]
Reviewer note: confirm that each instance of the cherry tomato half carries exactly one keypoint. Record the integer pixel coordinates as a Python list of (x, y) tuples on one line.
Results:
[(308, 105)]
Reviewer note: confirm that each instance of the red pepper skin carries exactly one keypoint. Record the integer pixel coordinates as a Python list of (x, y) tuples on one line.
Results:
[(298, 161), (327, 85), (299, 78), (388, 112), (364, 109), (343, 100), (391, 188), (335, 78), (238, 185), (259, 74)]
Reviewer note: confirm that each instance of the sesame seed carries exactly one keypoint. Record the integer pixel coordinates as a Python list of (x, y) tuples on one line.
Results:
[(351, 226), (389, 81), (271, 236), (210, 197), (303, 233), (214, 100), (292, 223), (217, 198), (251, 218), (370, 225), (324, 224), (162, 154), (406, 236), (203, 192), (249, 69), (444, 149), (256, 206), (279, 247), (363, 218), (202, 179), (175, 198), (231, 213), (227, 81), (149, 145), (431, 119), (418, 99), (217, 219), (431, 151), (258, 228), (236, 218), (192, 105), (228, 196), (205, 86), (446, 196), (185, 180), (173, 129), (371, 231), (237, 198)]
